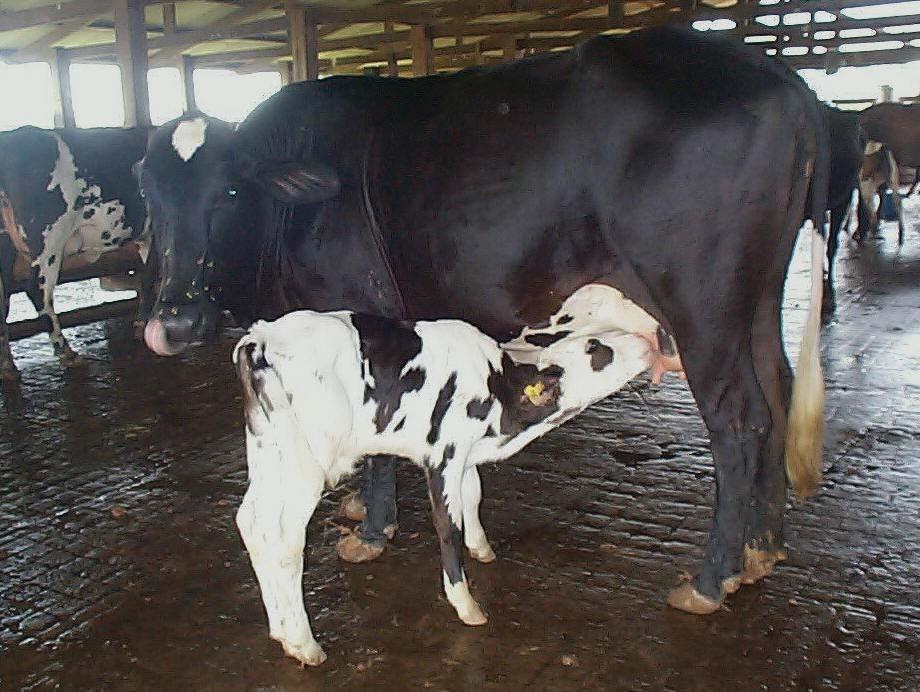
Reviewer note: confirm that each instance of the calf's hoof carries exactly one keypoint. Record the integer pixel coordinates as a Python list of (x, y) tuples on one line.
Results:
[(484, 554), (352, 507), (474, 617), (309, 654), (352, 549), (686, 598)]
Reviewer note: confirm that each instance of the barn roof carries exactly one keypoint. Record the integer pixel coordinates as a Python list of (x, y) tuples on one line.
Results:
[(357, 35)]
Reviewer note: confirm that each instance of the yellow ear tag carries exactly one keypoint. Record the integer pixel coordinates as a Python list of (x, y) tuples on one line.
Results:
[(534, 393)]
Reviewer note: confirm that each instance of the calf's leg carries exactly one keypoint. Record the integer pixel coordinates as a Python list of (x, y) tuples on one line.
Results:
[(473, 534), (281, 498), (445, 490)]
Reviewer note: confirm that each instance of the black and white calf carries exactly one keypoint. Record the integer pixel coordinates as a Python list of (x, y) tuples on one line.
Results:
[(324, 390), (65, 192)]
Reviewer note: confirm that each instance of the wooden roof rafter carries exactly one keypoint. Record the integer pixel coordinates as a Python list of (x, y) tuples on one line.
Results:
[(477, 27)]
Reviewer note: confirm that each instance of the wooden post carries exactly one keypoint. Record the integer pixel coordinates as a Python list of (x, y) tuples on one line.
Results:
[(616, 12), (60, 82), (184, 63), (131, 49), (392, 64), (303, 41), (422, 51), (284, 69), (169, 19), (186, 67), (509, 48)]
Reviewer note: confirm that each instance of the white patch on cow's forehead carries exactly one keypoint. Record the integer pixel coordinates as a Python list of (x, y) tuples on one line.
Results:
[(188, 137)]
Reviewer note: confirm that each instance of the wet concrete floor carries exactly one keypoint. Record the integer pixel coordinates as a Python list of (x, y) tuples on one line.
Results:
[(121, 568)]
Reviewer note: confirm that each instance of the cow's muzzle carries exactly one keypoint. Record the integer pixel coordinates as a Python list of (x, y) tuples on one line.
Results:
[(174, 328)]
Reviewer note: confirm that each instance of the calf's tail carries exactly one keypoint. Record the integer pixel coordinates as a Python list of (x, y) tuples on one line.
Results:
[(265, 401), (805, 432)]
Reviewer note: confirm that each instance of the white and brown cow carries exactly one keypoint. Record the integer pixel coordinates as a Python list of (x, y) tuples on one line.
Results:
[(324, 390), (64, 193)]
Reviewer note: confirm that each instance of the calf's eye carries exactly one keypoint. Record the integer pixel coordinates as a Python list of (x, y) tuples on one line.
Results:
[(231, 192)]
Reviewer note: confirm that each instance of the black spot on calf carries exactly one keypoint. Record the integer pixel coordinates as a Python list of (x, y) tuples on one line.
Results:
[(565, 319), (544, 340), (388, 347), (89, 213), (601, 354), (440, 407), (479, 408)]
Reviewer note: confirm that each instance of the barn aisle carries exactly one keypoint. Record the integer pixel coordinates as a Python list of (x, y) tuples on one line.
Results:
[(121, 568)]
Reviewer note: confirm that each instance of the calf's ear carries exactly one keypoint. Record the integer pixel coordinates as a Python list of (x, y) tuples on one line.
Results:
[(295, 182)]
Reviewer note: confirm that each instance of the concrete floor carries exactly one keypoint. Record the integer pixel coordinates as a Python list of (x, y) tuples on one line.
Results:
[(121, 569)]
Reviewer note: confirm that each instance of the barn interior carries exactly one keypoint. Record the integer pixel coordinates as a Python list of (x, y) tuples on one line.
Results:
[(120, 564)]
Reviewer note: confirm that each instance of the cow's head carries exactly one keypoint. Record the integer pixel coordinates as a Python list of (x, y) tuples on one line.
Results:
[(209, 201)]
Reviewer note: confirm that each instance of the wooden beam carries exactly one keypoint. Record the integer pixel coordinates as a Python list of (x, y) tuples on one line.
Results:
[(616, 12), (303, 42), (40, 48), (422, 50), (74, 318), (60, 83), (510, 48), (248, 30), (238, 15), (131, 49), (53, 13)]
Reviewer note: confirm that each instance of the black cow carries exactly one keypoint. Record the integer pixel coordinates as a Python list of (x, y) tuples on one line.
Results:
[(846, 151), (64, 192), (656, 179)]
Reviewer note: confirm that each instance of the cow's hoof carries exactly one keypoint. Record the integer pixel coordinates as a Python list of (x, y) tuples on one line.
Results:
[(352, 549), (485, 554), (390, 530), (689, 600), (352, 507), (309, 654), (759, 564)]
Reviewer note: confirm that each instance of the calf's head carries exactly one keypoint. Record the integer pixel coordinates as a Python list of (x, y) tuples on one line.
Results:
[(210, 203)]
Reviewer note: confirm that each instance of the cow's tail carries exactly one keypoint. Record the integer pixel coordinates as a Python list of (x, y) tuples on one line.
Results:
[(805, 432)]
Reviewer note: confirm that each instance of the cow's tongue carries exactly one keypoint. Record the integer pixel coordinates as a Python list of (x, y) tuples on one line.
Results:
[(155, 338)]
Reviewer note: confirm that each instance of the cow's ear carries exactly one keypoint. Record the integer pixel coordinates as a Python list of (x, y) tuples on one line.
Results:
[(297, 183)]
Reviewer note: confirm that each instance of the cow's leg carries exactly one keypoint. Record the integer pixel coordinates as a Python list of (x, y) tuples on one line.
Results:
[(738, 420), (765, 545), (272, 519), (378, 491), (44, 278), (916, 182), (8, 369), (445, 489), (473, 534), (829, 301)]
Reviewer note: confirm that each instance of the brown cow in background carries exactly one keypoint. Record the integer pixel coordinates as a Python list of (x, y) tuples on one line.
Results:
[(897, 126)]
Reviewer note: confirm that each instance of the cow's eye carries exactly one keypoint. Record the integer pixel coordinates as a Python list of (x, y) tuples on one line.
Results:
[(231, 192)]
